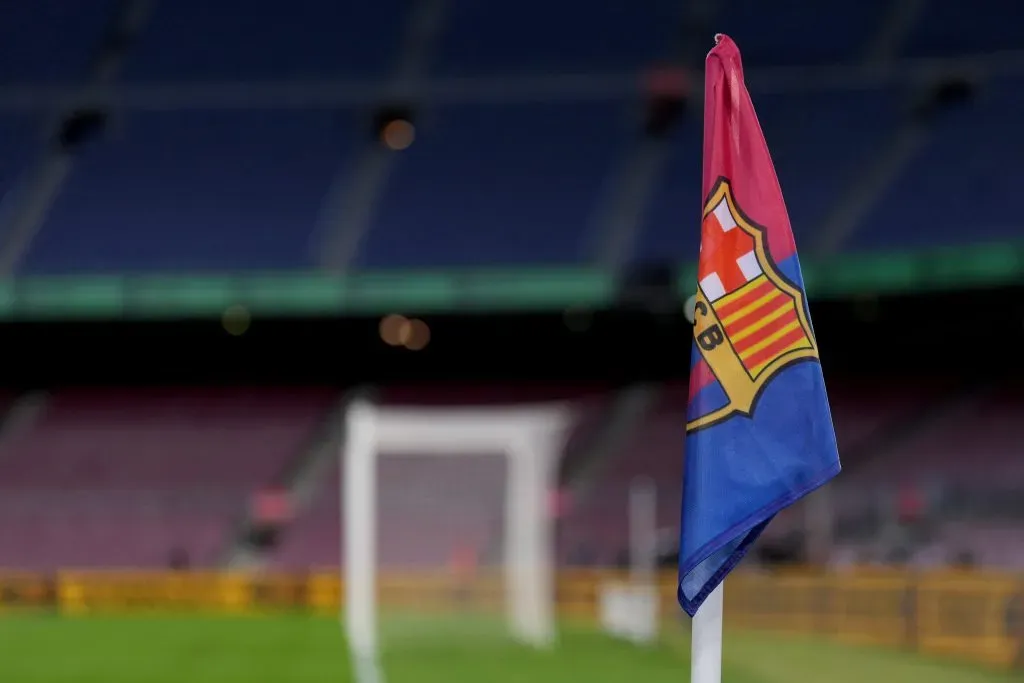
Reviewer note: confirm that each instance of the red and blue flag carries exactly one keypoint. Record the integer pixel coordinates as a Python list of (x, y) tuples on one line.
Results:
[(759, 433)]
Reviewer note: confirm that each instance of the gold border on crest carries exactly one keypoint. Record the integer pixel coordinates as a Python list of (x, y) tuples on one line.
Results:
[(743, 402)]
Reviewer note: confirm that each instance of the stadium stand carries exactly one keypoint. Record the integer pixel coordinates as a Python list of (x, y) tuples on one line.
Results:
[(945, 30), (225, 185), (263, 42), (980, 140), (655, 452), (314, 538), (986, 425), (841, 34), (146, 440), (176, 469), (598, 514), (545, 165), (93, 528), (489, 41), (163, 468), (229, 181)]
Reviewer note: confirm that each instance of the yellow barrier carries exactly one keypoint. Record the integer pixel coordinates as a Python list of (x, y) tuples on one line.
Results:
[(973, 616), (27, 591), (89, 592)]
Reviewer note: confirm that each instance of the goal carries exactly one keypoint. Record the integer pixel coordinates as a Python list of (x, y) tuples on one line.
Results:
[(525, 441)]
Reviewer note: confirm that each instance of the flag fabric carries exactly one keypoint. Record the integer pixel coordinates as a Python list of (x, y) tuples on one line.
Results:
[(759, 433)]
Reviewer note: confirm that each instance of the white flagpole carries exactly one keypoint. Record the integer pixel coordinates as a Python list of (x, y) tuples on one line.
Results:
[(706, 640), (706, 627)]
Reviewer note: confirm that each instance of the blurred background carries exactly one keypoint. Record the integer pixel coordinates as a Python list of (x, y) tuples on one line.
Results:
[(221, 221)]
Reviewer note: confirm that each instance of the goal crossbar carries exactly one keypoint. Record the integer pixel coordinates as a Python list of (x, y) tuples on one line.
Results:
[(531, 439)]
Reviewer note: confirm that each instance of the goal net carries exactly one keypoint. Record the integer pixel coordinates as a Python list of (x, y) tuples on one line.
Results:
[(446, 530)]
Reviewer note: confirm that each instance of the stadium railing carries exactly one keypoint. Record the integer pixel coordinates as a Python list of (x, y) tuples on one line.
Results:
[(975, 616)]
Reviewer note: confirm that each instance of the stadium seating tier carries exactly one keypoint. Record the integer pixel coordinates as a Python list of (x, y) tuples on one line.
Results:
[(484, 183)]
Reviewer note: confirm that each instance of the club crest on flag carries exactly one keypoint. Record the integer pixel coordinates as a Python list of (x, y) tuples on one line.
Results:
[(750, 321)]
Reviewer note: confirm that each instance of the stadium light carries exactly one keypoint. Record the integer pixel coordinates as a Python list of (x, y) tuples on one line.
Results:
[(398, 135), (393, 127), (394, 329), (236, 320), (417, 335)]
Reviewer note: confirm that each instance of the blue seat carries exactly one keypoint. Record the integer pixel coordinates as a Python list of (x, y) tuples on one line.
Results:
[(21, 138), (964, 187), (195, 191), (483, 185), (820, 144), (538, 36), (952, 27), (487, 185), (670, 231), (50, 41), (781, 32), (196, 39)]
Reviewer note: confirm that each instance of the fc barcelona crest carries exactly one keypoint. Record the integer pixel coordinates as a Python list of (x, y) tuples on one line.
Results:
[(750, 321)]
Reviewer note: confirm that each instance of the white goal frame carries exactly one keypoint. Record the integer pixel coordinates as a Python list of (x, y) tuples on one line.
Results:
[(531, 438)]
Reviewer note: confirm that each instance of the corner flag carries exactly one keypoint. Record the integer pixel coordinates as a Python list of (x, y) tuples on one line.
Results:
[(759, 433)]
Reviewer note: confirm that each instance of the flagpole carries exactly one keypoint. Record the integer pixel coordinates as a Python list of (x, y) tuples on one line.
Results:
[(706, 627), (706, 640)]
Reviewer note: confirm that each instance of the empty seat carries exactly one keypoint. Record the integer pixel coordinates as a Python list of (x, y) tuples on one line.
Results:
[(492, 186), (944, 29), (51, 42), (193, 40), (189, 191), (571, 36), (961, 188), (122, 478), (829, 34)]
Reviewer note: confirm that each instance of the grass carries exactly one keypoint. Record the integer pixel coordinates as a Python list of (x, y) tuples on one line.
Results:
[(165, 649)]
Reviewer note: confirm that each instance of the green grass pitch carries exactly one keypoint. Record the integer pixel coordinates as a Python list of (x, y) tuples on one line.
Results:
[(51, 649)]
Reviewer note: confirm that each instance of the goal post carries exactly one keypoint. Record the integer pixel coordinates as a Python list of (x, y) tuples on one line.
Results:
[(530, 438)]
